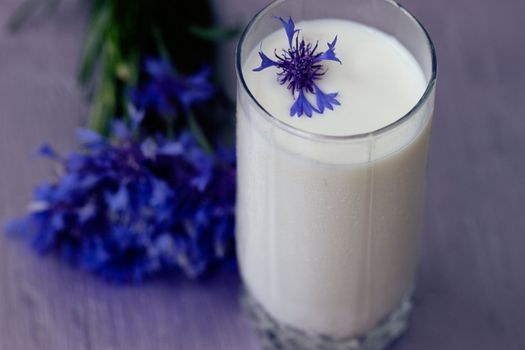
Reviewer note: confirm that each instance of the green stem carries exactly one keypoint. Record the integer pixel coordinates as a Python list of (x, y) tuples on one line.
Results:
[(163, 51), (170, 132), (106, 98), (104, 106), (213, 34), (198, 133), (95, 42)]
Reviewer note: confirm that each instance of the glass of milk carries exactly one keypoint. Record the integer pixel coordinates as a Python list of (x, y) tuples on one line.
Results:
[(329, 208)]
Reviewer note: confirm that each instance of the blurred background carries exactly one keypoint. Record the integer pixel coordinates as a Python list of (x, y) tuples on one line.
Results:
[(471, 280)]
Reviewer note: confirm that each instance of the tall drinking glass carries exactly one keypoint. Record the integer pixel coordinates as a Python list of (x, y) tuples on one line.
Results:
[(328, 225)]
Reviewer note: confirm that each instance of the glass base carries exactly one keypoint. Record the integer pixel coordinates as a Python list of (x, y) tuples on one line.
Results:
[(275, 335)]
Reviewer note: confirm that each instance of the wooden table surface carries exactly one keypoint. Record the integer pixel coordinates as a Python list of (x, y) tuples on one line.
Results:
[(471, 285)]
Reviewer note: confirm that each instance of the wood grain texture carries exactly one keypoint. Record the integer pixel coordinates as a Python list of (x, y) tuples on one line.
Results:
[(471, 282)]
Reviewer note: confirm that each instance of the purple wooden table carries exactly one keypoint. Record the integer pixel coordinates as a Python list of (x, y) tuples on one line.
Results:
[(471, 282)]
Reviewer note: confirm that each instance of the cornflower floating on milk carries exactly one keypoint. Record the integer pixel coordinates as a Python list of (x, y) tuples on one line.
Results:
[(300, 66)]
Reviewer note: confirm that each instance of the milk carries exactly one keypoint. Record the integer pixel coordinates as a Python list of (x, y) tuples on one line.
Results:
[(328, 228)]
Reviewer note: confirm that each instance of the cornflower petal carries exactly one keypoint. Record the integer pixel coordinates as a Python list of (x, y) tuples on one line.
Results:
[(171, 149), (120, 130), (136, 116), (265, 62), (89, 138), (157, 68), (149, 148), (302, 106), (119, 200), (45, 150), (168, 92), (325, 100), (196, 88), (329, 54), (18, 227), (289, 27)]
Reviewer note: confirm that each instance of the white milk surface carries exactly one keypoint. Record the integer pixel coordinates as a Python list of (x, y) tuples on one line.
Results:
[(378, 81), (328, 232)]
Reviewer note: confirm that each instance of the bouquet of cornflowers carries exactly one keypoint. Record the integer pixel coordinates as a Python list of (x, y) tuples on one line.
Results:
[(152, 187)]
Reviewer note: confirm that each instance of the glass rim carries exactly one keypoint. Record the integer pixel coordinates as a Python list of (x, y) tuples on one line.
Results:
[(323, 137)]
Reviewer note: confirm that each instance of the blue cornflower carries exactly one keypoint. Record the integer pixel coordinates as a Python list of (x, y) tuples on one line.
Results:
[(167, 93), (131, 207), (300, 66)]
